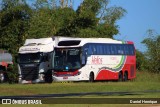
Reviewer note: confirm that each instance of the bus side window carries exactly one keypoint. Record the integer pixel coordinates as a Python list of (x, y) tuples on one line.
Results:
[(121, 49), (85, 49), (90, 50), (103, 49), (131, 49), (94, 49), (126, 50), (113, 50), (108, 49), (99, 49), (85, 53)]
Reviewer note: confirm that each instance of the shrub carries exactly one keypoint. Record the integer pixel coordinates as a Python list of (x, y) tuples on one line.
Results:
[(12, 73)]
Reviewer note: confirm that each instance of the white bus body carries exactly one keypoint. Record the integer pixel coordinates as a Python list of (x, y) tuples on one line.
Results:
[(96, 58)]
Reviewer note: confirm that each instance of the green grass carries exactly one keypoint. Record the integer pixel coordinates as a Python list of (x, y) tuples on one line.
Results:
[(32, 89), (147, 77), (144, 81)]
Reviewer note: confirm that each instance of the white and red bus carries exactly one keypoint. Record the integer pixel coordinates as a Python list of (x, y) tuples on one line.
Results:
[(94, 59)]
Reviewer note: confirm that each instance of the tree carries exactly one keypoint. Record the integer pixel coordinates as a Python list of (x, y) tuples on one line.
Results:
[(14, 22), (108, 25), (153, 52), (50, 17), (47, 22), (94, 19), (15, 15), (141, 61)]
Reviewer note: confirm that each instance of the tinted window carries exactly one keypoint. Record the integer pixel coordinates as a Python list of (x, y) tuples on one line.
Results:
[(90, 50), (131, 49), (120, 50), (126, 49), (110, 49), (99, 49), (69, 43)]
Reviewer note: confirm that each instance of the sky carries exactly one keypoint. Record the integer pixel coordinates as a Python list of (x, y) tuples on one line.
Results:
[(141, 16)]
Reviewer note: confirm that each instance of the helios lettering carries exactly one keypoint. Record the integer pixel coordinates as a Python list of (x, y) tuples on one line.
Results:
[(96, 60)]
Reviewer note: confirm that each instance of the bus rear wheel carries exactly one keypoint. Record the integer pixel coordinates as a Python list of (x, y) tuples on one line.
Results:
[(125, 78), (91, 77), (120, 78)]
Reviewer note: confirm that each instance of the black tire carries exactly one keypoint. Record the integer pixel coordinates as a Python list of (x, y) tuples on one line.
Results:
[(48, 77), (125, 78), (120, 78), (91, 77), (2, 77)]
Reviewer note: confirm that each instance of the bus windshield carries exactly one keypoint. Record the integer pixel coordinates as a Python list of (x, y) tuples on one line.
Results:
[(67, 59), (29, 58)]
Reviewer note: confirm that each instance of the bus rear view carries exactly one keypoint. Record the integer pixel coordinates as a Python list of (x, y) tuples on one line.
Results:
[(91, 59)]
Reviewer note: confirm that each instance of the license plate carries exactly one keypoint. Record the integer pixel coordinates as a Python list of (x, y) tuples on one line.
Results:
[(65, 77)]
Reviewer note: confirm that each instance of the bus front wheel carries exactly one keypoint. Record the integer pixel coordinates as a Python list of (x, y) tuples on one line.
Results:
[(2, 77), (48, 77), (91, 77)]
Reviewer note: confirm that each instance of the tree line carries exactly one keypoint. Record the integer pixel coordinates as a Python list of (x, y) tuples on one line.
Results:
[(46, 18), (150, 60)]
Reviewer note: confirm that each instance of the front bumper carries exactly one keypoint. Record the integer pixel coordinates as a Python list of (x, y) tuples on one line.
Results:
[(68, 78)]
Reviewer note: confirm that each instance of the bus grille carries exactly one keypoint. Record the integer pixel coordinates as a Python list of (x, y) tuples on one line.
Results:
[(29, 73)]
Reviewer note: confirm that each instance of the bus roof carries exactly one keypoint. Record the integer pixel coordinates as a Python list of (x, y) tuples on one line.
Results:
[(41, 41), (82, 41)]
